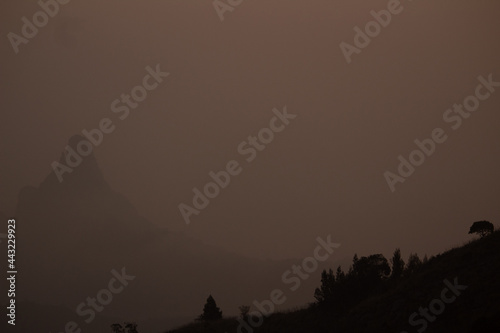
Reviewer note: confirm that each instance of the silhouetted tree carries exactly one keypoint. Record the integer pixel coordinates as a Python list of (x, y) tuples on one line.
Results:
[(482, 228), (372, 268), (210, 311), (244, 310), (398, 265), (355, 259), (413, 264), (425, 260), (128, 327), (131, 327), (339, 291), (365, 276), (117, 328), (340, 275), (324, 294)]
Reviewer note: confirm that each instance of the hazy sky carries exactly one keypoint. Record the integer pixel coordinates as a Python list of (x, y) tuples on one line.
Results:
[(323, 174)]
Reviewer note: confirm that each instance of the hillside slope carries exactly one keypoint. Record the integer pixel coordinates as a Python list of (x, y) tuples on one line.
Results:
[(473, 269)]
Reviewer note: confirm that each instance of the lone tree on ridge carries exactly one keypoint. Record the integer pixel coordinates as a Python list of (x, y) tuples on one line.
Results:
[(482, 228)]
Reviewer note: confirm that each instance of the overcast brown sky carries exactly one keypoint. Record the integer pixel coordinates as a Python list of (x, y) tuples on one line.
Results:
[(323, 174)]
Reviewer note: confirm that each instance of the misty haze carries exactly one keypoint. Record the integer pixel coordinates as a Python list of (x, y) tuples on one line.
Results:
[(237, 166)]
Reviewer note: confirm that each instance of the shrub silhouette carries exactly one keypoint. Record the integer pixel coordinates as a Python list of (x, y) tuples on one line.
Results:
[(126, 328), (244, 310)]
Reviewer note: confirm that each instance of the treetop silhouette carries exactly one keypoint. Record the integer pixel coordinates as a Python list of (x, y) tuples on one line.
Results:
[(482, 228), (210, 311)]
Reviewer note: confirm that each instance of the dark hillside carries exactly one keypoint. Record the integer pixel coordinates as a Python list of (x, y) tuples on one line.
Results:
[(474, 309)]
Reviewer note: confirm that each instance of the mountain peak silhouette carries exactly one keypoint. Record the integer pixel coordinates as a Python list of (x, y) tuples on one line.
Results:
[(83, 176)]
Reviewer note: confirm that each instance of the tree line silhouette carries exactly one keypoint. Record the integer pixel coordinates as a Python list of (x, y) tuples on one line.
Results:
[(366, 276), (339, 291), (373, 274)]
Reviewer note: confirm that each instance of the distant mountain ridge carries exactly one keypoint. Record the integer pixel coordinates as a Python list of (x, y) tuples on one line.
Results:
[(73, 233)]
